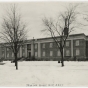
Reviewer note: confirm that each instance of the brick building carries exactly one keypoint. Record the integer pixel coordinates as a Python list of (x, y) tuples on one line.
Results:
[(76, 47)]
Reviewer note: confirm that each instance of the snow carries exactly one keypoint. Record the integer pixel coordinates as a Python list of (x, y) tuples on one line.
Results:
[(44, 73)]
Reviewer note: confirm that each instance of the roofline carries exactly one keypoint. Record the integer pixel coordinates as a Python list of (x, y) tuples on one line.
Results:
[(59, 36), (72, 35)]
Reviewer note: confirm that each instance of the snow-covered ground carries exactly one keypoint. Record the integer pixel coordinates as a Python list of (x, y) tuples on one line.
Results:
[(44, 73)]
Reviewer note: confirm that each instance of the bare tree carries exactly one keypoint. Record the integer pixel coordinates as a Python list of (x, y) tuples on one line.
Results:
[(61, 29), (13, 32)]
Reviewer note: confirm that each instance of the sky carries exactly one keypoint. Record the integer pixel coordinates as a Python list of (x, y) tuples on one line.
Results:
[(33, 13)]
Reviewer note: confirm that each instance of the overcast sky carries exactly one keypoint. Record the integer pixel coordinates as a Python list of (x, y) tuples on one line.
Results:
[(34, 12)]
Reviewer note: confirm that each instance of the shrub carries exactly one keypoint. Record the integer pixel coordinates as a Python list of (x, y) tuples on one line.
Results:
[(2, 59)]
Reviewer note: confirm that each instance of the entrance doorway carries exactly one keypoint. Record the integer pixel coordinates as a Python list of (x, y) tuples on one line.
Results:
[(29, 54)]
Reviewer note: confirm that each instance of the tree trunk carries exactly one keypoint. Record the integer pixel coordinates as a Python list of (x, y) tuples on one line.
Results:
[(15, 46), (62, 58), (16, 64), (15, 60)]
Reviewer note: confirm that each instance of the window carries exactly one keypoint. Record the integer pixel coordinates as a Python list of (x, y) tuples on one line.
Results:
[(2, 54), (7, 49), (43, 53), (35, 46), (18, 54), (7, 54), (29, 46), (2, 49), (43, 45), (51, 53), (22, 53), (77, 42), (35, 54), (51, 45), (67, 43), (12, 54), (67, 53), (58, 53), (77, 52), (23, 48)]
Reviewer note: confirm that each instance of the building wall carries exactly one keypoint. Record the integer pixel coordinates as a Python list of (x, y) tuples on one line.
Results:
[(8, 54), (50, 50), (2, 50), (87, 49), (67, 48), (36, 50), (29, 50), (81, 47)]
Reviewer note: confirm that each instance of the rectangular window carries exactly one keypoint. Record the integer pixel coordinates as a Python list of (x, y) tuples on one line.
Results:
[(12, 54), (35, 46), (35, 54), (67, 53), (43, 53), (23, 54), (51, 45), (7, 49), (3, 54), (2, 49), (29, 46), (51, 53), (58, 53), (67, 43), (7, 54), (18, 54), (77, 42), (43, 46), (77, 52), (23, 48)]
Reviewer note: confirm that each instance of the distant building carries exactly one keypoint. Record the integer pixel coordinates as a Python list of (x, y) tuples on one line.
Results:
[(76, 47)]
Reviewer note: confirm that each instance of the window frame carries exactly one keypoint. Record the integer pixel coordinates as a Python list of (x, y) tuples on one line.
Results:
[(51, 45), (3, 54), (67, 52), (7, 55), (43, 54), (77, 43), (35, 46), (58, 53), (36, 54), (43, 45), (77, 53), (7, 49), (51, 54), (67, 43), (12, 55)]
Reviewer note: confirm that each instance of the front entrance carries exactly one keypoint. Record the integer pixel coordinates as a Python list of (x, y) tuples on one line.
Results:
[(29, 54)]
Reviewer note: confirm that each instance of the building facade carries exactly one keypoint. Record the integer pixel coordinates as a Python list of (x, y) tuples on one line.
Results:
[(76, 48)]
